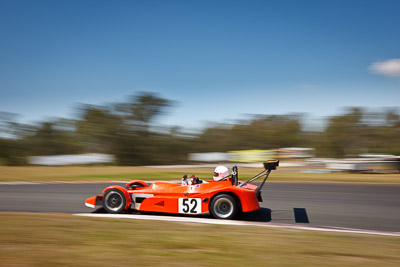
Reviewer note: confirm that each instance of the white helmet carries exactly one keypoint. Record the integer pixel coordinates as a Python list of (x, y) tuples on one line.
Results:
[(220, 172)]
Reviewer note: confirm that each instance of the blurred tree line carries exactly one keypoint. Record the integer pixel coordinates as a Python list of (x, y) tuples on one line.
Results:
[(127, 130)]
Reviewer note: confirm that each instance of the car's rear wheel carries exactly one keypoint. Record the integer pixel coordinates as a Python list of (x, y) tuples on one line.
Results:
[(224, 207), (114, 201)]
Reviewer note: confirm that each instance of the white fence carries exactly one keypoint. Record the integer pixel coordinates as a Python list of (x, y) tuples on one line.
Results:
[(58, 160)]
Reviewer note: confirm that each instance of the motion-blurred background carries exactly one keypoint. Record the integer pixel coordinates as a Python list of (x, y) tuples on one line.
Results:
[(177, 82)]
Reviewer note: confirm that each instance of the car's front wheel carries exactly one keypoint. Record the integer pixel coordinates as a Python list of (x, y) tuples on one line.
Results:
[(114, 201), (224, 207)]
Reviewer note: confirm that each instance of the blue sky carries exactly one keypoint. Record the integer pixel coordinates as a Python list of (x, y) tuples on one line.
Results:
[(219, 60)]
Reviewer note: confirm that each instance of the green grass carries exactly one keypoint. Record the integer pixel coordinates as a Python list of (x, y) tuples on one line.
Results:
[(109, 173), (276, 176), (131, 176), (28, 239)]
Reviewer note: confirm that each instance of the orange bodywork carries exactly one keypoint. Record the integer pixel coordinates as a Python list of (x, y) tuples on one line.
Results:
[(171, 197)]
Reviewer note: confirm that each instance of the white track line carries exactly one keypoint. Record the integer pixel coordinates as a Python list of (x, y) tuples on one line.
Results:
[(241, 223), (17, 183), (62, 182)]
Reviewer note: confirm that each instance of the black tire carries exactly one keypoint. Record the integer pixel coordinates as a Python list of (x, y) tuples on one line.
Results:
[(224, 207), (114, 201)]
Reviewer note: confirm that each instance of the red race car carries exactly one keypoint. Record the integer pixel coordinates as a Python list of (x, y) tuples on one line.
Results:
[(223, 197)]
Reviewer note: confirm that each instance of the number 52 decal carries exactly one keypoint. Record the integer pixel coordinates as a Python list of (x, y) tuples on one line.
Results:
[(189, 205)]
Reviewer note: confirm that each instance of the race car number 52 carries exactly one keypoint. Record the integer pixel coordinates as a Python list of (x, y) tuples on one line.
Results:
[(190, 205)]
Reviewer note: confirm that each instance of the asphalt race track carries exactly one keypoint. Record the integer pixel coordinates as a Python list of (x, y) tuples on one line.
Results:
[(362, 206)]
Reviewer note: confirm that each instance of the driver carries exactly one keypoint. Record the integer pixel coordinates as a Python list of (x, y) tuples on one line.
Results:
[(220, 173)]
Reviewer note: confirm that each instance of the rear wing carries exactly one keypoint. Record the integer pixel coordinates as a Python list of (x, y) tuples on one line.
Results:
[(271, 164), (268, 167)]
